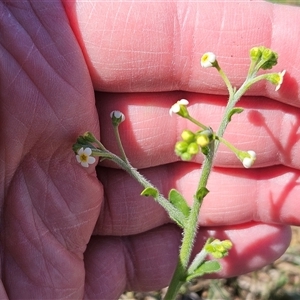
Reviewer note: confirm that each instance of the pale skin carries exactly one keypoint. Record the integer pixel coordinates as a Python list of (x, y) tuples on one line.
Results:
[(74, 232)]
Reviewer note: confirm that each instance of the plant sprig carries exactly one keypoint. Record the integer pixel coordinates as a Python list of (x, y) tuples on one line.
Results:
[(206, 141)]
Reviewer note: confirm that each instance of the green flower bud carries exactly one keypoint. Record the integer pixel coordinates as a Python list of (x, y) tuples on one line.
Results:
[(227, 244), (81, 140), (255, 53), (181, 147), (193, 148), (218, 248), (76, 147), (267, 54), (89, 137), (217, 254), (210, 248), (270, 57), (276, 79), (188, 136), (204, 137), (186, 156), (202, 140)]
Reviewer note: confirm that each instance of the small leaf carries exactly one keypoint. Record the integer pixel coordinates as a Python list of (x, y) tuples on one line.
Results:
[(150, 192), (207, 267), (201, 193), (235, 110), (179, 202)]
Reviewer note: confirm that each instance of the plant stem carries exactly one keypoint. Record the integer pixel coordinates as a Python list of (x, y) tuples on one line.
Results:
[(230, 146), (226, 80), (190, 118), (119, 142), (174, 213), (189, 232), (191, 229)]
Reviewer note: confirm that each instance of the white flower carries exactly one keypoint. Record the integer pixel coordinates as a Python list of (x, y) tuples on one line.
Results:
[(84, 157), (177, 107), (249, 161), (208, 59), (116, 114), (280, 80)]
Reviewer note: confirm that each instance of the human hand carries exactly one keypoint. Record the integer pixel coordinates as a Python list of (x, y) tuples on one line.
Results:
[(51, 205)]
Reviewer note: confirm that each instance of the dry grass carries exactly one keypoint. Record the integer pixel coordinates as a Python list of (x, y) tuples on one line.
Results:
[(278, 281)]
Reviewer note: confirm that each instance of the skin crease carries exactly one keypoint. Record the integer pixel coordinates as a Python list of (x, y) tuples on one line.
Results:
[(71, 232)]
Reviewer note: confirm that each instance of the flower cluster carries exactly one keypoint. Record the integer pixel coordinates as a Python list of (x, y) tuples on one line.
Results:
[(264, 58), (84, 146), (217, 248), (192, 143)]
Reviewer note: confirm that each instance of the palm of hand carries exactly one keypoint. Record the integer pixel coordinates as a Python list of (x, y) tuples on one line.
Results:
[(50, 205), (48, 214)]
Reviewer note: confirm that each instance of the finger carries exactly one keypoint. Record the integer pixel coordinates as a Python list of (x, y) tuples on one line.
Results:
[(235, 197), (255, 245), (149, 133), (47, 213), (41, 107), (138, 262), (146, 261), (41, 103), (128, 52)]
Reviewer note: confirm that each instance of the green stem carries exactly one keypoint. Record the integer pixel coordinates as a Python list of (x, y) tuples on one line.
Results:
[(191, 229), (226, 80), (200, 257), (174, 213), (119, 142), (177, 281), (190, 118), (189, 232), (229, 145)]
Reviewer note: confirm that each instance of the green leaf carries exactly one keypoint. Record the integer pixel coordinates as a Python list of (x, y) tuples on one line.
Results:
[(179, 202), (201, 193), (150, 192), (235, 110), (207, 267)]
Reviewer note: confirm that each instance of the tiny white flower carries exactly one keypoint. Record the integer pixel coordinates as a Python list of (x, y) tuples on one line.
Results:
[(84, 157), (208, 59), (117, 115), (280, 80), (249, 161), (177, 106)]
